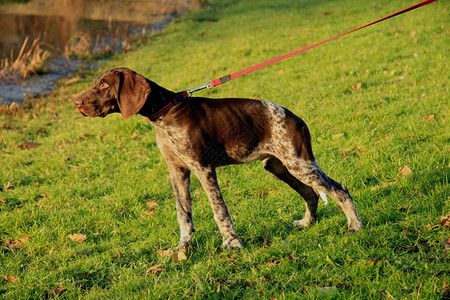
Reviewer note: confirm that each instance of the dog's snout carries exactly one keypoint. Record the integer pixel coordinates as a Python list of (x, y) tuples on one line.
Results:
[(78, 103)]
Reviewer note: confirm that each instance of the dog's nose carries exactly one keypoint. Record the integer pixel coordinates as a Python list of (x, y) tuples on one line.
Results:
[(78, 103)]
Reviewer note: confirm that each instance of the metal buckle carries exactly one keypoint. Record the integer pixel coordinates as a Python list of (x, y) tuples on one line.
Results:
[(205, 86)]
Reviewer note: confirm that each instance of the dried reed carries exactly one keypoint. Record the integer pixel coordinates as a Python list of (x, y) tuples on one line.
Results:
[(27, 62)]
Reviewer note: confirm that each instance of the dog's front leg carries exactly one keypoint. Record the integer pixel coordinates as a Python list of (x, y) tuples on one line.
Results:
[(181, 187), (208, 178)]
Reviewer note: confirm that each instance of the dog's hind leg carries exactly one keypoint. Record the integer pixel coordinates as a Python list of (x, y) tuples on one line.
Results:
[(279, 171), (308, 172)]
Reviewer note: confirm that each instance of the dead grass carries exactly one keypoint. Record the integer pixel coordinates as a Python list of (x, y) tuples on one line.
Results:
[(27, 63)]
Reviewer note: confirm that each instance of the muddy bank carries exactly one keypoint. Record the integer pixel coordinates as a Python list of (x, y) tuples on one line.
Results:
[(109, 26)]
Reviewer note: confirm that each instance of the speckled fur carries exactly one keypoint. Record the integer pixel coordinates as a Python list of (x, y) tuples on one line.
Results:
[(201, 134)]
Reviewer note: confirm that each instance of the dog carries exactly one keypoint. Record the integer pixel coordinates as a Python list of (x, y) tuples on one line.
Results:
[(200, 134)]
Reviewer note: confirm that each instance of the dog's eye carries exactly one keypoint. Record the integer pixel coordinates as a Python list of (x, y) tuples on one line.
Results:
[(103, 85)]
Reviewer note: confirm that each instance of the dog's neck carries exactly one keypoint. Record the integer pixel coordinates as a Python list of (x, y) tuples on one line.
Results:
[(158, 98)]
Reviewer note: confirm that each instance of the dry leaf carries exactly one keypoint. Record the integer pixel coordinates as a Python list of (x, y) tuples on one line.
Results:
[(154, 269), (261, 194), (29, 145), (77, 237), (357, 86), (271, 262), (55, 292), (180, 255), (429, 117), (445, 221), (99, 234), (165, 253), (7, 186), (197, 192), (152, 204), (405, 170), (17, 243), (233, 256), (10, 279), (2, 200), (85, 135)]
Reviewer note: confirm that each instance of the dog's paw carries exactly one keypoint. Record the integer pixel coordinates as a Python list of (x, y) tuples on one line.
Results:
[(355, 226), (301, 223), (233, 242), (184, 244)]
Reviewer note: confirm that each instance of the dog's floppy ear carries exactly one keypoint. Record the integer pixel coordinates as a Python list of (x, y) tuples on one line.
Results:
[(133, 90)]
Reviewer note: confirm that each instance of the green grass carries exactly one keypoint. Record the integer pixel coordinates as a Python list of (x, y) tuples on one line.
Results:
[(95, 176)]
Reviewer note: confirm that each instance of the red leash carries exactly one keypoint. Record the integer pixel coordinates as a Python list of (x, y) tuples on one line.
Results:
[(213, 83)]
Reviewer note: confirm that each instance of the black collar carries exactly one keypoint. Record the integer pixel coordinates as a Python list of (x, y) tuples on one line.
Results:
[(179, 97)]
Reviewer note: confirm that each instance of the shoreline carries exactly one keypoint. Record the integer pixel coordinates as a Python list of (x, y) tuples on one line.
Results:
[(17, 90)]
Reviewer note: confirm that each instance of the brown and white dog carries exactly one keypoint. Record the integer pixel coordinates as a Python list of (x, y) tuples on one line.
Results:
[(200, 134)]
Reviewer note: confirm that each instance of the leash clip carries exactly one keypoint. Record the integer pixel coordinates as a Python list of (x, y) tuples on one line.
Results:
[(205, 86)]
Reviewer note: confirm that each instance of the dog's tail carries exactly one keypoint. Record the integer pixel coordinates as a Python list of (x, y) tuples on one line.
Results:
[(324, 197)]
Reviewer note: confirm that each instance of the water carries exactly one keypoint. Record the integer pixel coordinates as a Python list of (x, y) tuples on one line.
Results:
[(110, 25)]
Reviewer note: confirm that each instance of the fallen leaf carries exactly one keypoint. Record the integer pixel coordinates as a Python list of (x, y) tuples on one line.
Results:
[(357, 86), (271, 262), (10, 279), (429, 117), (232, 256), (412, 33), (2, 200), (152, 204), (197, 192), (164, 253), (29, 145), (405, 170), (261, 194), (99, 234), (154, 269), (180, 255), (445, 221), (17, 243), (85, 135), (7, 186), (77, 237)]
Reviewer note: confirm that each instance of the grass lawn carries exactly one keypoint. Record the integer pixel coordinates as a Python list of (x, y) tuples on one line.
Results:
[(88, 213)]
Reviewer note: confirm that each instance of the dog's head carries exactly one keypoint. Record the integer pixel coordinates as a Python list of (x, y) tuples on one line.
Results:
[(117, 90)]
